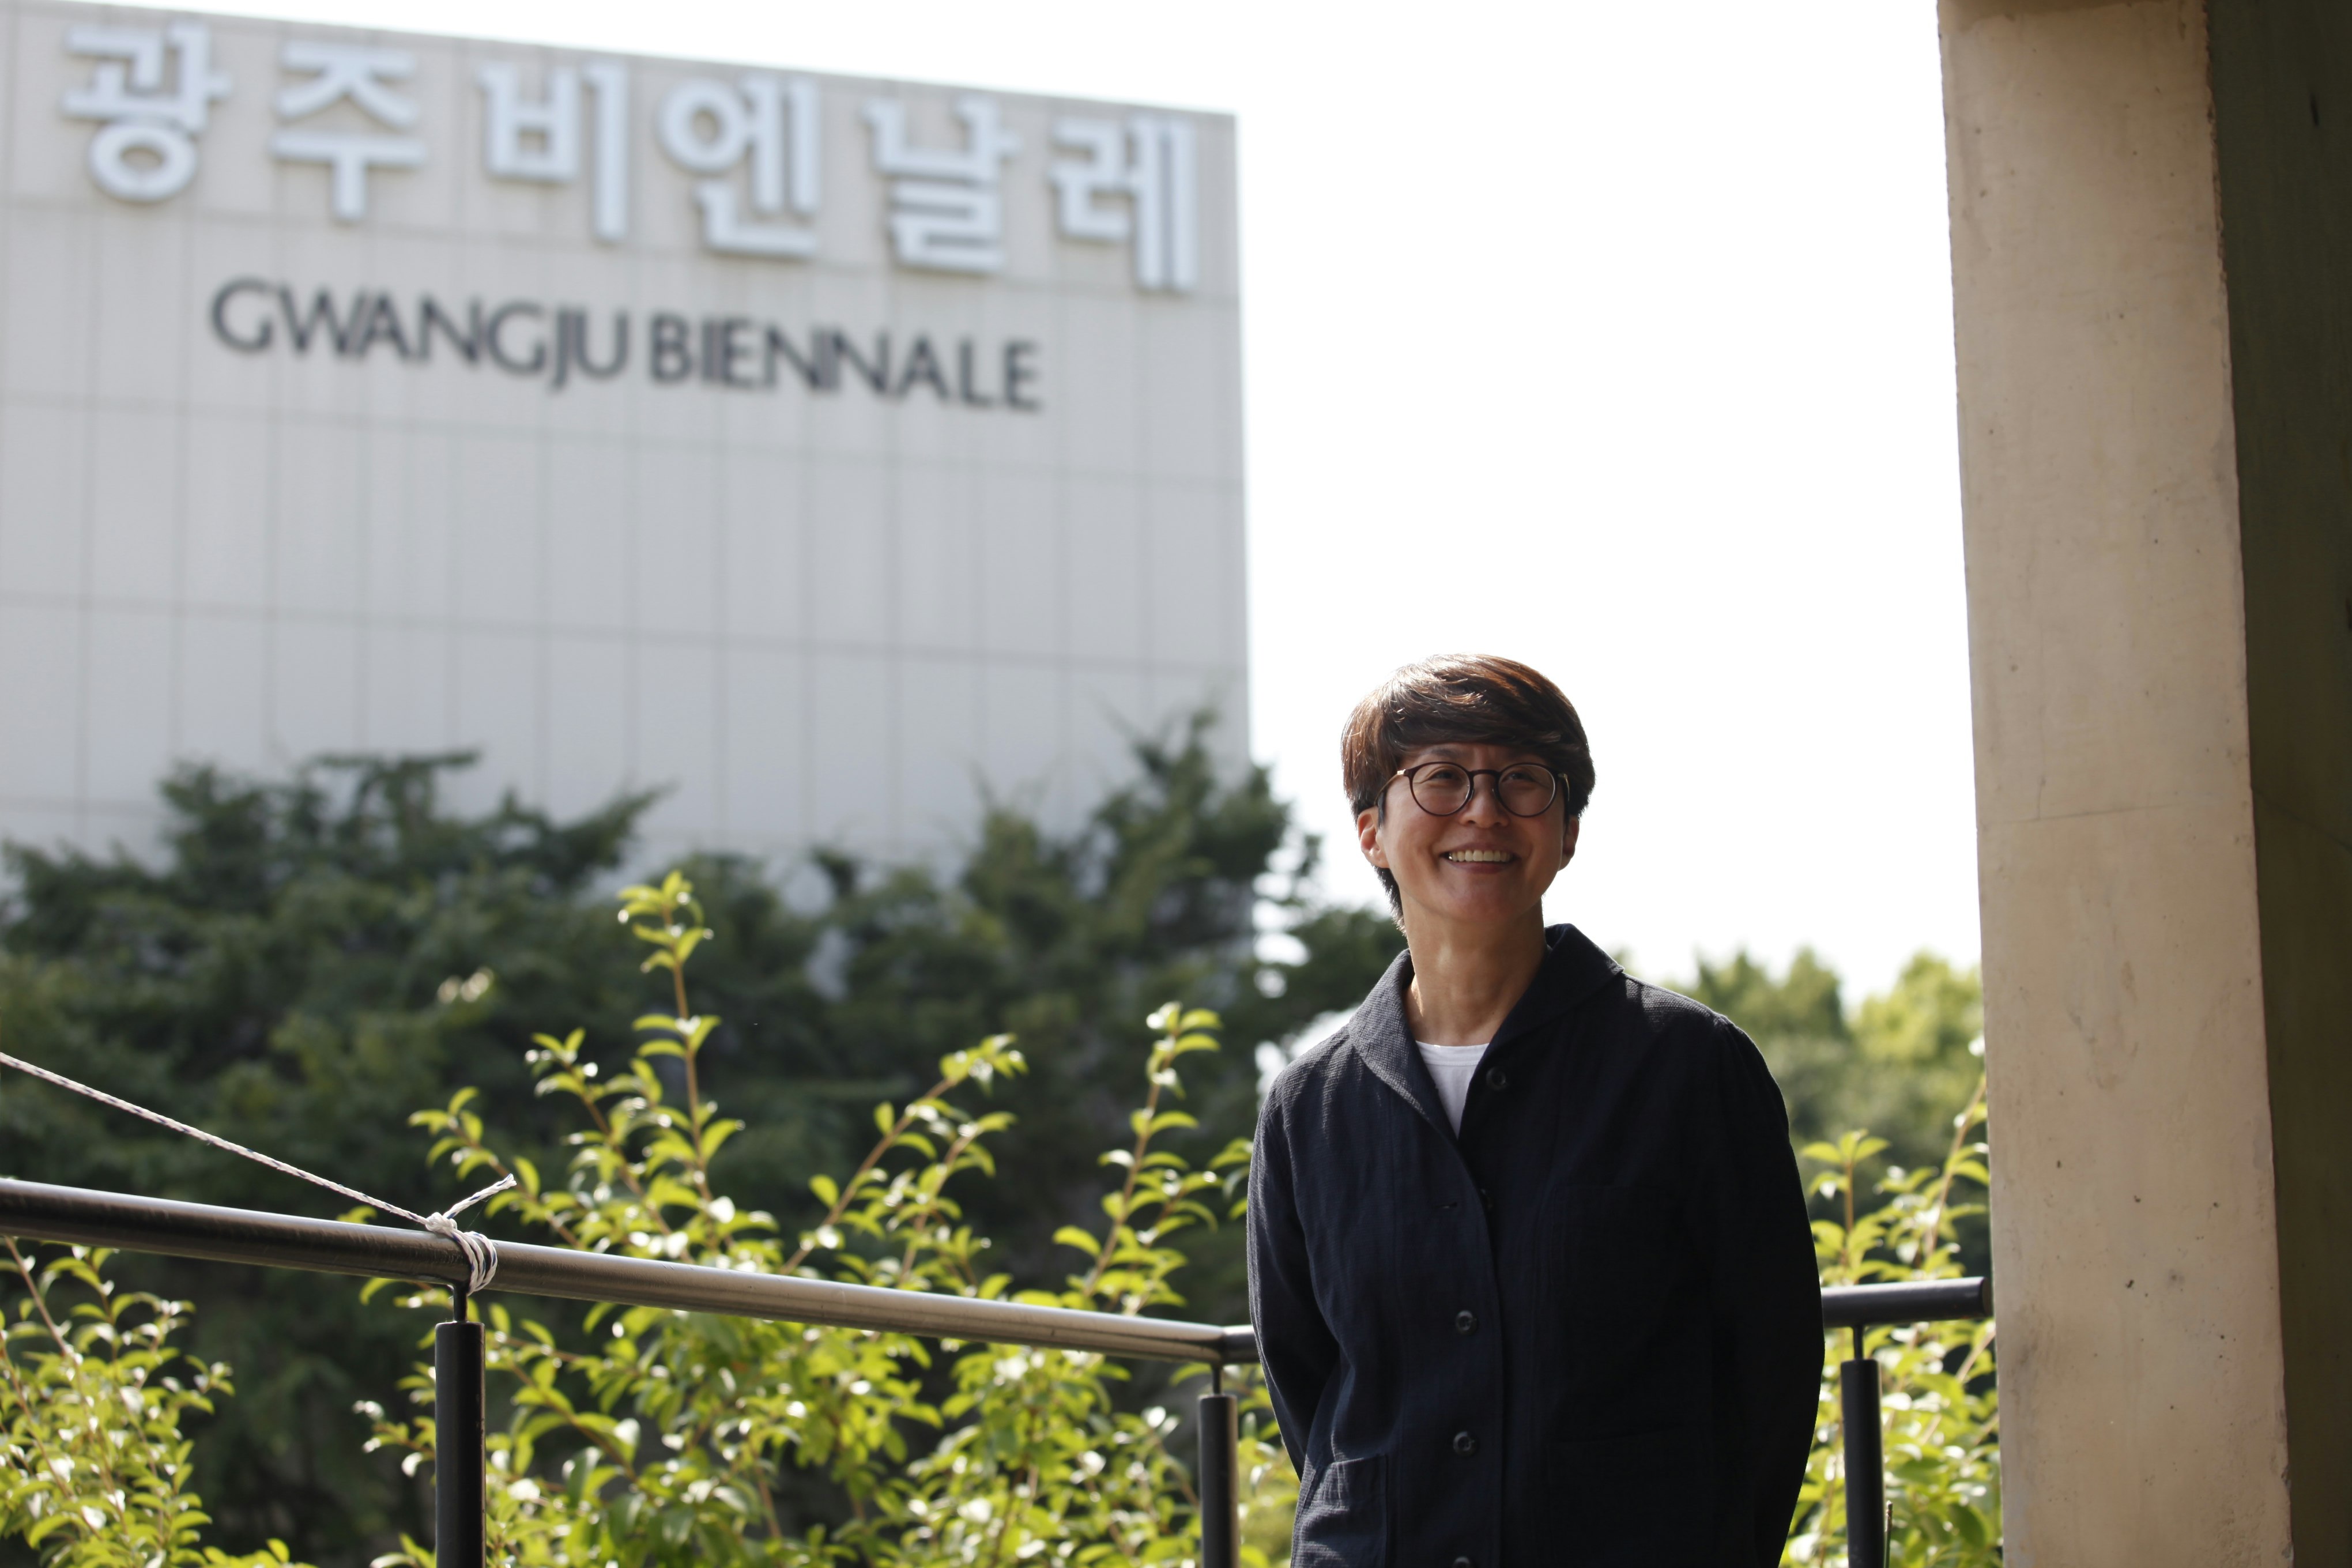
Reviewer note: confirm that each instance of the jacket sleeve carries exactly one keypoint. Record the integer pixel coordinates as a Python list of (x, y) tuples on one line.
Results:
[(1293, 1343), (1765, 1308)]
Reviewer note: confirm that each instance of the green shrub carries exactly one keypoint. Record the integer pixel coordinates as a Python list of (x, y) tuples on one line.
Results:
[(93, 1470), (634, 1437), (659, 1437), (1942, 1426)]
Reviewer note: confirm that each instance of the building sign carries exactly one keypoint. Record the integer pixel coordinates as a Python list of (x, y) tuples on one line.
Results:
[(549, 343), (746, 151), (821, 450)]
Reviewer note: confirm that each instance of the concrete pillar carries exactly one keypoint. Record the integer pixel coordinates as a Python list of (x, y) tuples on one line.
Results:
[(2152, 255)]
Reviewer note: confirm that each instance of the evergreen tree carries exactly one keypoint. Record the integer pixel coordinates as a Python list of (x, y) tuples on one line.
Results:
[(1898, 1065), (311, 960)]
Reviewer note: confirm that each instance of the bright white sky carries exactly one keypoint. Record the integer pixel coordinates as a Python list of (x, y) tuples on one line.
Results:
[(1615, 338)]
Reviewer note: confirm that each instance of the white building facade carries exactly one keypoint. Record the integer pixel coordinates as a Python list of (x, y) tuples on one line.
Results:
[(823, 452)]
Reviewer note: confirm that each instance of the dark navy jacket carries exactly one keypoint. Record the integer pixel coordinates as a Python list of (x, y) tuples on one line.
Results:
[(1588, 1331)]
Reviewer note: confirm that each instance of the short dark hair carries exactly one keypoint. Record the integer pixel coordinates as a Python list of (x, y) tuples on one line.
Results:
[(1464, 698)]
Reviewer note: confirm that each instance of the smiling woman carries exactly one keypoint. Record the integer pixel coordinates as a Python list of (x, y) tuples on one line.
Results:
[(1527, 1243), (1465, 867)]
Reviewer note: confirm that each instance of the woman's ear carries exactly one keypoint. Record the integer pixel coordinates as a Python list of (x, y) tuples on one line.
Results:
[(1568, 839), (1368, 837)]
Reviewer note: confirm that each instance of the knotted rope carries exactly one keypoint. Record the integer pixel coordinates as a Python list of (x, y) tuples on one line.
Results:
[(481, 1252)]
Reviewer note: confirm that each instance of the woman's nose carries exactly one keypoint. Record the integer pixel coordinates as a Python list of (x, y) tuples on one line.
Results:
[(1485, 802)]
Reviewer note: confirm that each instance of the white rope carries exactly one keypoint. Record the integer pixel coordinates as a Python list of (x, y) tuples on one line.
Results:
[(481, 1252)]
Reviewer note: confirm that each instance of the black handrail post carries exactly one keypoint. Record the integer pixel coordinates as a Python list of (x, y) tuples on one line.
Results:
[(457, 1456), (1221, 1518), (1865, 1460)]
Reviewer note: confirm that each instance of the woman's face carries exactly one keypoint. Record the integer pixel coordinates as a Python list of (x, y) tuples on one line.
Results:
[(1481, 866)]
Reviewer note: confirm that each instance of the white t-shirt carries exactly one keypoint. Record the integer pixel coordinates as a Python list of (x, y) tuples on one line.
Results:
[(1452, 1068)]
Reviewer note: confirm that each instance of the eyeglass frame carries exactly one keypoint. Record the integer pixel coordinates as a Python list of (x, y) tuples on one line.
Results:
[(1495, 789)]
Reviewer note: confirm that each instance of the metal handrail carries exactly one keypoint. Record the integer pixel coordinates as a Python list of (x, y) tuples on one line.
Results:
[(1906, 1302), (40, 1211), (45, 1213), (1856, 1308), (332, 1247)]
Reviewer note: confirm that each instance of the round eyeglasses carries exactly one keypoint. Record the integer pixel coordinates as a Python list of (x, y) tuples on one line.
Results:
[(1442, 789)]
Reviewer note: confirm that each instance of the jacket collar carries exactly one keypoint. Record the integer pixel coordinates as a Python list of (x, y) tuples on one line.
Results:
[(1573, 968)]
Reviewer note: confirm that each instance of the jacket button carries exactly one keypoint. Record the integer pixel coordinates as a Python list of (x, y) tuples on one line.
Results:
[(1464, 1563), (1486, 1200), (1496, 1081), (1465, 1444), (1465, 1323)]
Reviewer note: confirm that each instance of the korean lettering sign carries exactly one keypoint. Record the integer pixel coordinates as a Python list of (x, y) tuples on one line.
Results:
[(744, 148)]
